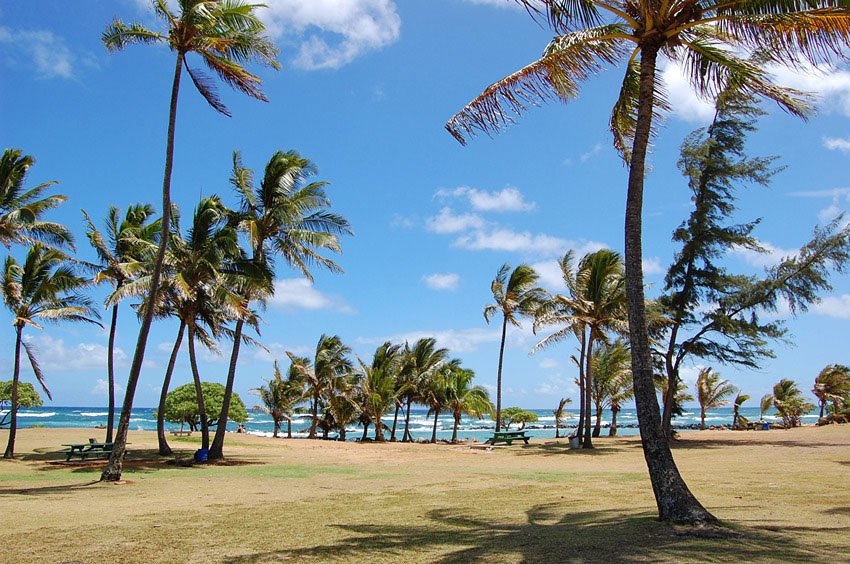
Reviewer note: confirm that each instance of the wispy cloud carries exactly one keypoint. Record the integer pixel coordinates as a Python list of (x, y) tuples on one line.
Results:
[(833, 306), (837, 144), (42, 51), (771, 257), (506, 239), (505, 200), (333, 33), (456, 340), (55, 355), (652, 266), (449, 222), (299, 293), (448, 281)]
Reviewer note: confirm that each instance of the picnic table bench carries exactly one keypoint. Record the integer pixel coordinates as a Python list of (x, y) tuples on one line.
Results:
[(181, 433), (85, 450), (508, 437)]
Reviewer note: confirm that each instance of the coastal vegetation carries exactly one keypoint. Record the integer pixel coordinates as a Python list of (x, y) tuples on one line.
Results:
[(181, 406)]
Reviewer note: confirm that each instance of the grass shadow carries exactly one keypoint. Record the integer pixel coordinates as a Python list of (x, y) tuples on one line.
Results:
[(546, 536), (556, 448), (136, 461), (41, 490)]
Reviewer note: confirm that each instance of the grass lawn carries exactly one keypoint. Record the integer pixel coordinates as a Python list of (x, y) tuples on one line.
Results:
[(783, 496)]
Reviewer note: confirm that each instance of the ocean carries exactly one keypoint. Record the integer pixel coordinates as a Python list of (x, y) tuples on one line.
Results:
[(421, 424)]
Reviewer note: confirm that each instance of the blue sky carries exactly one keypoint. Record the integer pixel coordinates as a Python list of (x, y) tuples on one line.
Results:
[(365, 89)]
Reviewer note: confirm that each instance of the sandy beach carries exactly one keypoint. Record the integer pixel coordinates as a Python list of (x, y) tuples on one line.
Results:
[(782, 494)]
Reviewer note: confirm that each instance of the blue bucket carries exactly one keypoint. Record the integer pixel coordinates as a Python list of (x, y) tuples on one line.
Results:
[(201, 454)]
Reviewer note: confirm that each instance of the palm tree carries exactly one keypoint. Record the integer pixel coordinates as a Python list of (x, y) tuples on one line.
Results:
[(832, 384), (226, 34), (740, 399), (378, 385), (44, 288), (464, 398), (330, 361), (712, 392), (560, 414), (789, 402), (706, 39), (611, 370), (421, 361), (124, 254), (285, 215), (343, 401), (279, 399), (765, 403), (515, 294), (621, 390), (21, 209), (434, 392)]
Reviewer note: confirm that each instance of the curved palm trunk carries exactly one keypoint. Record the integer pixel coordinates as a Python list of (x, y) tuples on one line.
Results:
[(365, 431), (379, 430), (597, 427), (672, 384), (499, 377), (164, 449), (217, 449), (612, 432), (342, 433), (702, 418), (112, 471), (674, 500), (735, 417), (454, 429), (588, 388), (557, 428), (407, 437), (289, 428), (434, 431), (196, 377), (110, 373), (13, 408), (582, 384), (276, 428), (395, 422)]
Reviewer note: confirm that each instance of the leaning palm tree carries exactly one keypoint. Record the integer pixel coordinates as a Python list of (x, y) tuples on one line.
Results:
[(279, 399), (707, 38), (832, 384), (21, 209), (330, 361), (343, 401), (515, 295), (765, 403), (789, 402), (225, 34), (464, 398), (712, 392), (421, 361), (124, 253), (620, 391), (560, 414), (740, 400), (286, 215), (44, 288), (434, 392), (378, 385)]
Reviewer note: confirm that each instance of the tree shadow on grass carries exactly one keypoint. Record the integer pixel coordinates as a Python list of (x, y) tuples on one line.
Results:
[(136, 461), (547, 535), (560, 449), (42, 490), (690, 443)]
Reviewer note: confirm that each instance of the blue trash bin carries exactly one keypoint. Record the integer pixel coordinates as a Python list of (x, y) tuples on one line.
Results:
[(202, 454), (765, 426)]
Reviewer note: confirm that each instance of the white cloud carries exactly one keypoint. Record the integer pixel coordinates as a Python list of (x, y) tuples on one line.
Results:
[(448, 222), (299, 293), (834, 306), (837, 144), (504, 200), (53, 354), (277, 351), (506, 239), (456, 340), (591, 153), (101, 388), (652, 266), (549, 364), (829, 193), (436, 281), (772, 257), (41, 50), (550, 275), (402, 222), (685, 104), (332, 33)]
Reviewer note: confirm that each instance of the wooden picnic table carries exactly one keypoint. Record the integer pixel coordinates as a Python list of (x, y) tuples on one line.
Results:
[(84, 450), (508, 437)]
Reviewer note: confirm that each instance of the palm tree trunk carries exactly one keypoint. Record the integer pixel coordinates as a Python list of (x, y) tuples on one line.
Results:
[(597, 428), (110, 373), (407, 437), (674, 500), (434, 432), (395, 422), (672, 384), (164, 449), (612, 432), (582, 383), (196, 377), (702, 418), (289, 428), (454, 429), (314, 411), (379, 429), (499, 376), (588, 386), (557, 428), (342, 433), (13, 408), (217, 450), (276, 428), (365, 431), (112, 471)]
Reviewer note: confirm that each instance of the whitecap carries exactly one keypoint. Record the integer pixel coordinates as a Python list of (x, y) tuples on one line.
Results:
[(93, 414), (33, 414)]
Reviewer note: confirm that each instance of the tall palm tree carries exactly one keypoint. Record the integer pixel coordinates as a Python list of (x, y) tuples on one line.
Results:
[(620, 391), (225, 34), (706, 38), (832, 384), (330, 361), (286, 215), (434, 392), (712, 392), (343, 401), (421, 361), (378, 385), (740, 400), (464, 398), (44, 288), (124, 254), (611, 370), (279, 399), (515, 295), (21, 209)]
